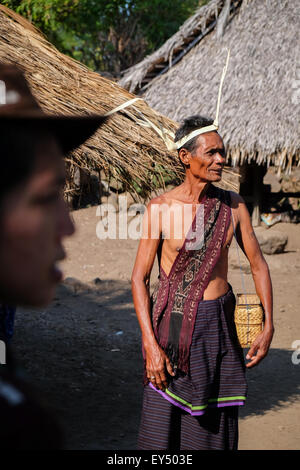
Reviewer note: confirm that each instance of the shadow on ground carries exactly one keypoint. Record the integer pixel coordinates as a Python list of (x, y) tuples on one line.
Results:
[(83, 355)]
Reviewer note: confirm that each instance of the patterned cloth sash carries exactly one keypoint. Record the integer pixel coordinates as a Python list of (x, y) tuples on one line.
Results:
[(175, 300)]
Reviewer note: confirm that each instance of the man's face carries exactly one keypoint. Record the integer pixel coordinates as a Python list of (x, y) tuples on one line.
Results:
[(34, 221), (207, 162)]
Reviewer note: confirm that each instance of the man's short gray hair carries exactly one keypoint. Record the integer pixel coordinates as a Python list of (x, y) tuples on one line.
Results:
[(190, 124)]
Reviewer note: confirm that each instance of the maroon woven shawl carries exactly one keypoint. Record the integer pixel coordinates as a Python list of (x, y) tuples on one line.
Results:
[(175, 300)]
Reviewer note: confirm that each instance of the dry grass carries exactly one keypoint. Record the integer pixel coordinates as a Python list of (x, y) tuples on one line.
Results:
[(135, 156), (259, 117)]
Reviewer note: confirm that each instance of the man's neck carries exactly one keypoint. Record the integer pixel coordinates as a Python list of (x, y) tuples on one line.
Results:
[(194, 189)]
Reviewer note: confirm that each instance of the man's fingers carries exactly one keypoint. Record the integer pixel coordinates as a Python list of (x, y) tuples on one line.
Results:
[(162, 381), (252, 363), (158, 379), (252, 351), (255, 360), (158, 376), (169, 367), (158, 383), (151, 375)]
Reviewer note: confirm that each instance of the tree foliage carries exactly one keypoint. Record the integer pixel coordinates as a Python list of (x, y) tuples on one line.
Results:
[(106, 35)]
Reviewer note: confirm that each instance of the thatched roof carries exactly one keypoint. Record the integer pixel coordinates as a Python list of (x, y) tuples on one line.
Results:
[(259, 116), (132, 155), (64, 86)]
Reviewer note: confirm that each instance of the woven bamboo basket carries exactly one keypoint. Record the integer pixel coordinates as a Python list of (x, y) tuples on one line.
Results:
[(249, 318)]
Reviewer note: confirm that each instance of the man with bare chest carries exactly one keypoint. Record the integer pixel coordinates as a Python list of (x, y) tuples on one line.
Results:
[(194, 367)]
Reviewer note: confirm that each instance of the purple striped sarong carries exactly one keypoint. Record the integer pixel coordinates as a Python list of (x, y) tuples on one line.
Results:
[(199, 410)]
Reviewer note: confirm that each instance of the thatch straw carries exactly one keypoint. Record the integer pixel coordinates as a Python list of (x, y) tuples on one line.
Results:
[(259, 115), (192, 31), (134, 155)]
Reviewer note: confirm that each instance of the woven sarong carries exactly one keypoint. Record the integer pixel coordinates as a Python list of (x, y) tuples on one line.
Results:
[(202, 402), (166, 427), (217, 368)]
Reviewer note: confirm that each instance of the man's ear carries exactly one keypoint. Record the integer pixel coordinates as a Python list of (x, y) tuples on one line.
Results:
[(185, 156)]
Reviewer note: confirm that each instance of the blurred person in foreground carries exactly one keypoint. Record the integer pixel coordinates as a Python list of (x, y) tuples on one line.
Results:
[(7, 320), (194, 366), (34, 221)]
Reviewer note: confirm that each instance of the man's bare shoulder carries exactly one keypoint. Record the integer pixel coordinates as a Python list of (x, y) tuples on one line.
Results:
[(240, 210), (169, 197), (236, 199)]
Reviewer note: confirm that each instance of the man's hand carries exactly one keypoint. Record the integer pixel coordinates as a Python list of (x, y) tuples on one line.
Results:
[(260, 347), (157, 366)]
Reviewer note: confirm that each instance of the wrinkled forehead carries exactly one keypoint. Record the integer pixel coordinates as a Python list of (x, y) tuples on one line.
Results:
[(210, 140)]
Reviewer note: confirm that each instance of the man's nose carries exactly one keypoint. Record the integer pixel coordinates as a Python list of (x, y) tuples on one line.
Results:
[(219, 158)]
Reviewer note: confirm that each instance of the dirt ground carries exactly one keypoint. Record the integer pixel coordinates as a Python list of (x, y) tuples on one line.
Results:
[(83, 352)]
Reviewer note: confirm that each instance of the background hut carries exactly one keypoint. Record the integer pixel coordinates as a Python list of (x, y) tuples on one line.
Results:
[(133, 157), (259, 117)]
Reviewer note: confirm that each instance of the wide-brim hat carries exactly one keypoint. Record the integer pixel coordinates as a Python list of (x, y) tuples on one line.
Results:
[(18, 105)]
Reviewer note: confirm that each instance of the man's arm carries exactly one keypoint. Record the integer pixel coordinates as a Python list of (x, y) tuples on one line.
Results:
[(156, 360), (261, 276)]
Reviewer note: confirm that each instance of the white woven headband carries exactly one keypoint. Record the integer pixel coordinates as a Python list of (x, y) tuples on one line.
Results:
[(169, 136)]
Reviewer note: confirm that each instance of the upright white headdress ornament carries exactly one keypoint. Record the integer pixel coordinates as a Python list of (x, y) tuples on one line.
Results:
[(213, 127), (169, 136)]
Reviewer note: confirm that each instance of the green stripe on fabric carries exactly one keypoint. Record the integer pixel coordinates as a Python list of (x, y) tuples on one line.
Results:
[(185, 402), (211, 400), (226, 399)]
